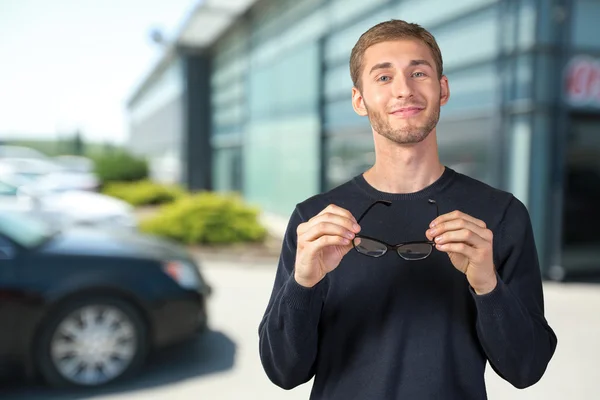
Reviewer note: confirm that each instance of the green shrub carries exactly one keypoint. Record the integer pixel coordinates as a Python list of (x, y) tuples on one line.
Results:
[(144, 192), (206, 218), (120, 166)]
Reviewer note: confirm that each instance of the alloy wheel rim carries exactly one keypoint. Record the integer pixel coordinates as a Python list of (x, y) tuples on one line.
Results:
[(93, 345)]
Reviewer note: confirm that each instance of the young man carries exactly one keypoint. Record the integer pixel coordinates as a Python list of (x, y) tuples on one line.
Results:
[(371, 319)]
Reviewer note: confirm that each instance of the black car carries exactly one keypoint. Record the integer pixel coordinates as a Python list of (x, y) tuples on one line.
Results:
[(83, 307)]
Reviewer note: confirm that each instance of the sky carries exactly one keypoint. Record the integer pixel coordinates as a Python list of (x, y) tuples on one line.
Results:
[(73, 64)]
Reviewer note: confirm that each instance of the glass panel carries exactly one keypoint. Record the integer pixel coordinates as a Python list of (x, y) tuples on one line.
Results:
[(527, 21), (585, 24), (340, 114), (288, 85), (311, 27), (524, 78), (581, 251), (519, 157), (281, 162), (348, 156), (341, 11), (161, 131), (228, 94), (165, 89), (339, 45), (227, 171), (224, 73), (470, 39), (547, 23), (228, 85), (281, 145), (338, 82), (232, 115), (464, 145), (538, 202), (508, 25), (544, 93), (283, 15), (234, 43), (518, 24), (471, 89), (430, 12)]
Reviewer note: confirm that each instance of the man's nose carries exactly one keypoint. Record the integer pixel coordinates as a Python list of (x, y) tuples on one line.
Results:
[(401, 87)]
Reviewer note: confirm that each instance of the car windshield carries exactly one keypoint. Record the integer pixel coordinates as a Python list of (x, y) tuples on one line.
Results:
[(25, 230)]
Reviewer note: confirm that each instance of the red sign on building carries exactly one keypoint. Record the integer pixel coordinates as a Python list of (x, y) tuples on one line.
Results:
[(582, 83)]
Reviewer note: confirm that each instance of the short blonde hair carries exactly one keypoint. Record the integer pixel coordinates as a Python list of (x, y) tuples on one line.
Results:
[(388, 31)]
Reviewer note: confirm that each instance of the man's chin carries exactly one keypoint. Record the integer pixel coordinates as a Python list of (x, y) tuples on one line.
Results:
[(406, 137)]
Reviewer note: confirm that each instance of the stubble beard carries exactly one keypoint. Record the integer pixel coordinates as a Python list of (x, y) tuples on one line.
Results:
[(407, 134)]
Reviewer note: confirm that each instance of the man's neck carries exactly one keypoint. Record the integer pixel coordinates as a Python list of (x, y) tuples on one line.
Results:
[(405, 169)]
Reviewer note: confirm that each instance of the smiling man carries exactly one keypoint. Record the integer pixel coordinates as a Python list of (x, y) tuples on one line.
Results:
[(406, 280)]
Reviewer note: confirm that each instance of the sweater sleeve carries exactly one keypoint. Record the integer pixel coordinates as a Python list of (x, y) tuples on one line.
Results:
[(288, 332), (511, 324)]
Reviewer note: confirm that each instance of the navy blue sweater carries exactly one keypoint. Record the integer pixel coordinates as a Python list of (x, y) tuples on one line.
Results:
[(386, 328)]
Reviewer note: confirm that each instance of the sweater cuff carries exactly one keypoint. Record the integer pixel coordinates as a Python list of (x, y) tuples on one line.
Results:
[(302, 298), (491, 303)]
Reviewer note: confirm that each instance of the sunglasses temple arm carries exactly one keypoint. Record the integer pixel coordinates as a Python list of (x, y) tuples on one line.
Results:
[(386, 203), (437, 213), (437, 210)]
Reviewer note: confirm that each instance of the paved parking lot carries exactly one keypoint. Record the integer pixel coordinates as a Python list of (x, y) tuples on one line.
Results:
[(224, 364)]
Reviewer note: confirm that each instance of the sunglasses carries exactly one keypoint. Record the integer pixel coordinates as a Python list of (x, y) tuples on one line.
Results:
[(410, 251)]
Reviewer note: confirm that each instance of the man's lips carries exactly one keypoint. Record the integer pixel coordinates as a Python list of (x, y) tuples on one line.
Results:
[(407, 111)]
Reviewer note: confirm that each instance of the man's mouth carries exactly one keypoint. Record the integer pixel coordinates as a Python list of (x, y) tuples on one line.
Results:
[(405, 112)]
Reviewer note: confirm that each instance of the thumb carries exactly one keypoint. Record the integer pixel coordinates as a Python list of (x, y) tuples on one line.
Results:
[(346, 249)]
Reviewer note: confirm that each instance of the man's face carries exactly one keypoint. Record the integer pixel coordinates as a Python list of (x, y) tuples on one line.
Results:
[(401, 93)]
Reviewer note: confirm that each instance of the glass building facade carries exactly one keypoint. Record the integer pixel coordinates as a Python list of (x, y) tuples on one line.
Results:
[(282, 127)]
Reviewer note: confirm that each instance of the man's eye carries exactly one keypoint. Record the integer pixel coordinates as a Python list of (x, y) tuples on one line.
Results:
[(384, 78), (419, 74)]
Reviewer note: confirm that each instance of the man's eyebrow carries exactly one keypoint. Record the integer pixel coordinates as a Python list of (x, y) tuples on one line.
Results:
[(414, 63), (383, 65), (387, 65)]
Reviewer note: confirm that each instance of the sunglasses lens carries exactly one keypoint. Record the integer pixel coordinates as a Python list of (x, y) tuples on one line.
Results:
[(370, 247), (416, 251)]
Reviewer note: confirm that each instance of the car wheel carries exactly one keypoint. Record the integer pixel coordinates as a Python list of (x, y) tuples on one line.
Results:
[(92, 342)]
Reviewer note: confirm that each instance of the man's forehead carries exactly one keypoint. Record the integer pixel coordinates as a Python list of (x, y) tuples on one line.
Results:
[(398, 53), (400, 49)]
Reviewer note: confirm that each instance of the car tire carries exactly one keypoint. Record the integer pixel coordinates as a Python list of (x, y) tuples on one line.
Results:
[(114, 335)]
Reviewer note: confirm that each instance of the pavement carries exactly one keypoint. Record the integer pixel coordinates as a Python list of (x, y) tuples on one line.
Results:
[(224, 363)]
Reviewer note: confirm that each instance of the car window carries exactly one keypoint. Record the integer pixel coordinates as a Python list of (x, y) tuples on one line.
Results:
[(7, 249), (25, 230), (7, 190)]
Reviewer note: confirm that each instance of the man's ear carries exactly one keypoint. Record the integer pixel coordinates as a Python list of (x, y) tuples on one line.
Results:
[(358, 102), (444, 90)]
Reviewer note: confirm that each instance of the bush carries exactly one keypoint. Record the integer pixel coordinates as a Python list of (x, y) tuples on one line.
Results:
[(120, 166), (206, 218), (144, 192)]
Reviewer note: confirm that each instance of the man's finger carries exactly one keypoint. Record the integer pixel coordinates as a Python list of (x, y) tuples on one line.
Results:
[(455, 225), (462, 236), (332, 208), (326, 241), (326, 229), (332, 218), (460, 248), (457, 215)]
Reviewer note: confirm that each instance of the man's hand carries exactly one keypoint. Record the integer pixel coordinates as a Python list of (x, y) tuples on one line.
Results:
[(468, 243), (322, 243)]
